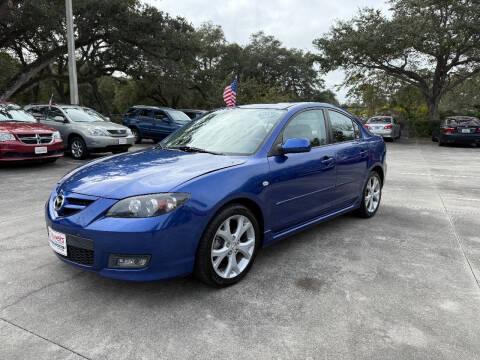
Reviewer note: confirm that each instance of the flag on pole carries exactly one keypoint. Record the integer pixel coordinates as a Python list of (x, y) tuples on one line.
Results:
[(230, 94), (50, 103)]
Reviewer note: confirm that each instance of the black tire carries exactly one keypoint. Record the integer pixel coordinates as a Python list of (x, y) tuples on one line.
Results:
[(363, 210), (204, 269), (135, 133), (434, 139), (78, 148)]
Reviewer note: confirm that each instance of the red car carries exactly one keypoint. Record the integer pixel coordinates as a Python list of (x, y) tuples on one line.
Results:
[(23, 138)]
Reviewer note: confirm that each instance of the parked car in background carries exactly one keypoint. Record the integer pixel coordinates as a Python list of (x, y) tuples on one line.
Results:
[(208, 197), (457, 130), (384, 126), (152, 122), (23, 138), (193, 113), (82, 131)]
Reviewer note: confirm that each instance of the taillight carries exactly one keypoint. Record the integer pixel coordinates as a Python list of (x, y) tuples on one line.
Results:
[(449, 130), (478, 130), (387, 127)]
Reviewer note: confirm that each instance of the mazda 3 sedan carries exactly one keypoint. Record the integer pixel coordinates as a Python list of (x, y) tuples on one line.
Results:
[(209, 196)]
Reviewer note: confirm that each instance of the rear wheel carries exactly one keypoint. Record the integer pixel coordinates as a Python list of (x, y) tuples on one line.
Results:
[(228, 247), (371, 196), (78, 148)]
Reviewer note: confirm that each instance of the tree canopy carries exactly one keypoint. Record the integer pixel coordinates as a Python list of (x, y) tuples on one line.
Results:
[(429, 44)]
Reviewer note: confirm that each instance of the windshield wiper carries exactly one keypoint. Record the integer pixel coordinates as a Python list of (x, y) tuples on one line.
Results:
[(189, 149)]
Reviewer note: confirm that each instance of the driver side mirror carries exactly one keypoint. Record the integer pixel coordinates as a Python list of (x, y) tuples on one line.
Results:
[(294, 145), (60, 119)]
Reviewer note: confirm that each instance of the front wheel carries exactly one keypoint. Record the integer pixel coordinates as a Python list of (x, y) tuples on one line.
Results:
[(371, 196), (78, 148), (228, 247), (136, 134)]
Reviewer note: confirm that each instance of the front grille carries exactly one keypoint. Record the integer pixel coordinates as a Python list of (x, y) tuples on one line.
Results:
[(35, 139), (118, 132), (80, 250), (79, 255), (74, 203)]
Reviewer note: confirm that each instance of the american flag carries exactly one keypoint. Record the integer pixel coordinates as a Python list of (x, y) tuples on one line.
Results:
[(230, 94), (50, 102)]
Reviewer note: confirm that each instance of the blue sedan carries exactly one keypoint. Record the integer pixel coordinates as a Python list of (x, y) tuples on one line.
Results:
[(209, 196)]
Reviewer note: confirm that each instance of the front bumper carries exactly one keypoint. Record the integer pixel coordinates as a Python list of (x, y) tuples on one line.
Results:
[(17, 151), (171, 240), (108, 142)]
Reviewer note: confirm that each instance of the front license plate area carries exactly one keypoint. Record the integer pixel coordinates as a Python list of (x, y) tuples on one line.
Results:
[(58, 241), (122, 141), (41, 150)]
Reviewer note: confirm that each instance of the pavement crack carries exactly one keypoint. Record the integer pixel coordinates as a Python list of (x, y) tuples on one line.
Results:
[(20, 299), (44, 338)]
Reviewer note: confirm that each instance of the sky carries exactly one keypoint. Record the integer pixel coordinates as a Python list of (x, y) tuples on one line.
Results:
[(294, 22)]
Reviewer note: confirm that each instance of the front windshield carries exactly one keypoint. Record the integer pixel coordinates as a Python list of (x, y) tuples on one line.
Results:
[(237, 131), (15, 113), (79, 115), (379, 120), (95, 114), (178, 115)]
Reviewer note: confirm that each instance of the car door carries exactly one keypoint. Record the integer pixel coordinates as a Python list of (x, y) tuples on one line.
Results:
[(302, 185), (162, 125), (61, 125), (145, 123), (351, 157)]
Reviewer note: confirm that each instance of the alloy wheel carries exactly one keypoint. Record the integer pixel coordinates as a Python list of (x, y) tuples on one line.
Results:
[(77, 148), (233, 246), (372, 194)]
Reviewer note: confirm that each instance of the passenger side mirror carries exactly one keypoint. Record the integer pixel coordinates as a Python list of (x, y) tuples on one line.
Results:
[(294, 145), (60, 119)]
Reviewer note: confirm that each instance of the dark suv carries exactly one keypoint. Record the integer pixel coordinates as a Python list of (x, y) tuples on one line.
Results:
[(152, 122)]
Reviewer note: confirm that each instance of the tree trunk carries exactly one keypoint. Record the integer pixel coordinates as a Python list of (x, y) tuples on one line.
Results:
[(432, 104)]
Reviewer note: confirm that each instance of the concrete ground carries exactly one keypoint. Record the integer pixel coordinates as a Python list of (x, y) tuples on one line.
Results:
[(402, 285)]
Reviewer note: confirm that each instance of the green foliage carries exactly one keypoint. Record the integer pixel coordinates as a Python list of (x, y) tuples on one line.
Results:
[(430, 44)]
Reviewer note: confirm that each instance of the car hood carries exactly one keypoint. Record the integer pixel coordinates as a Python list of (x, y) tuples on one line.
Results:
[(18, 127), (101, 125), (144, 172)]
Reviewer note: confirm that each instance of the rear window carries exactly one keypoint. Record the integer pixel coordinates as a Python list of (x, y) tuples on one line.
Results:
[(373, 120), (462, 122)]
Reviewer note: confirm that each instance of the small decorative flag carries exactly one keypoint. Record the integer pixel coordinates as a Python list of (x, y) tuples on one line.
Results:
[(50, 103), (230, 94)]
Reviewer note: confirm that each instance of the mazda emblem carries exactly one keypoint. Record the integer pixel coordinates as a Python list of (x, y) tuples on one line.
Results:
[(58, 202)]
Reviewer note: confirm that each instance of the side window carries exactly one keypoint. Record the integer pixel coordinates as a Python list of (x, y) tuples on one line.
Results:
[(342, 127), (52, 113), (160, 116), (131, 112), (309, 125), (146, 113)]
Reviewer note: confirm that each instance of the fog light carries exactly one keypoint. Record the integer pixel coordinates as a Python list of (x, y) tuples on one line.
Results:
[(128, 261)]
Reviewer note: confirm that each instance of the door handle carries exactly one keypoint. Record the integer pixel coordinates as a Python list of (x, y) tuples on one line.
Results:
[(327, 160), (363, 152)]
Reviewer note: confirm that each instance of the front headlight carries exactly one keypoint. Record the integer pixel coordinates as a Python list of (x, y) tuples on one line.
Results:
[(97, 132), (56, 135), (129, 132), (148, 205), (6, 137)]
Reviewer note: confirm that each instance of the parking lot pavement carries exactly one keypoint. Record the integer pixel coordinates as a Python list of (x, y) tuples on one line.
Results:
[(401, 285)]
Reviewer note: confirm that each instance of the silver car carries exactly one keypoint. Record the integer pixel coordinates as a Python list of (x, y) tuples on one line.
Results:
[(385, 126), (83, 131)]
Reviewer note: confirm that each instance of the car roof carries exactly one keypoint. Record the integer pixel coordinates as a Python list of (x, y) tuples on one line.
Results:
[(461, 117), (193, 110), (150, 107), (288, 105)]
